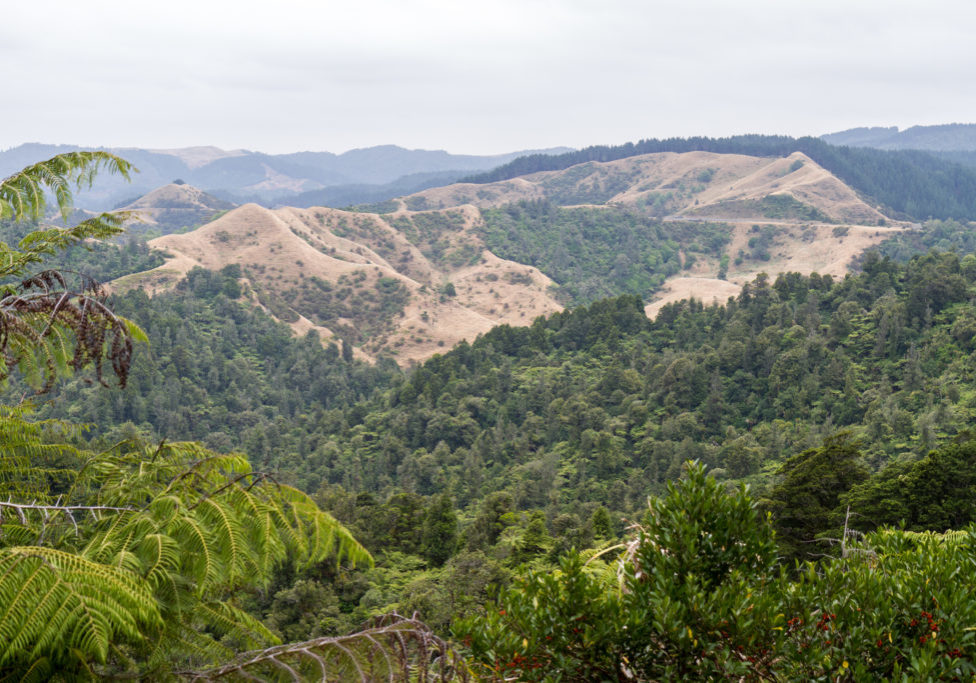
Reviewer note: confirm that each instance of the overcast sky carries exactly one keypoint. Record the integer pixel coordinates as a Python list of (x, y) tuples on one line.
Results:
[(475, 77)]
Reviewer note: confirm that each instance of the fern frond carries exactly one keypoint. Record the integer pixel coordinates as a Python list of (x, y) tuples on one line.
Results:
[(227, 544), (177, 526), (52, 601), (159, 555), (317, 533), (46, 327), (38, 244), (23, 195), (199, 563), (231, 622), (394, 649)]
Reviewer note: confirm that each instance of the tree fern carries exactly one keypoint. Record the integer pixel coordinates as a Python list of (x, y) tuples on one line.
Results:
[(47, 326), (183, 530), (131, 562)]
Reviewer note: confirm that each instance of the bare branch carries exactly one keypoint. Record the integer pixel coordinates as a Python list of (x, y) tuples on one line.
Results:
[(48, 511), (393, 640)]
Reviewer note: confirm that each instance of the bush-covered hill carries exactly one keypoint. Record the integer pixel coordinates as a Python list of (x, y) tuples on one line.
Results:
[(503, 453), (597, 405), (220, 371), (592, 253)]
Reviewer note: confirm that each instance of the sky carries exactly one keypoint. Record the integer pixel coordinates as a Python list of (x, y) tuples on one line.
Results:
[(475, 77)]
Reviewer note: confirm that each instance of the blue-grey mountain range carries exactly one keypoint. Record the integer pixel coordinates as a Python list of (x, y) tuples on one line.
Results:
[(301, 178), (949, 137)]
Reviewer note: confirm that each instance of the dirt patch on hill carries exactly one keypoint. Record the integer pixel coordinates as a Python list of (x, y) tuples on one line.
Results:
[(707, 290), (804, 248)]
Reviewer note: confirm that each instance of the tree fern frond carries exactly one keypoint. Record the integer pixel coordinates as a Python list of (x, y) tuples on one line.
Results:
[(199, 563), (40, 670), (160, 555), (52, 600), (192, 645), (226, 620), (23, 195), (44, 242), (12, 533), (393, 649), (46, 327), (227, 545), (175, 530)]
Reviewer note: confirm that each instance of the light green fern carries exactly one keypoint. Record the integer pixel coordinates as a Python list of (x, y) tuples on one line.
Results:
[(157, 544), (130, 563)]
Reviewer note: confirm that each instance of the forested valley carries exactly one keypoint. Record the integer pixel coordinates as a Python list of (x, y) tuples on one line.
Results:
[(777, 488)]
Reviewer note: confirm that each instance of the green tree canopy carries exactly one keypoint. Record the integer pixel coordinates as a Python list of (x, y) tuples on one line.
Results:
[(134, 561)]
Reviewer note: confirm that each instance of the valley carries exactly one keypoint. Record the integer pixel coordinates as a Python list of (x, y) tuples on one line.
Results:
[(508, 342), (469, 394), (380, 279)]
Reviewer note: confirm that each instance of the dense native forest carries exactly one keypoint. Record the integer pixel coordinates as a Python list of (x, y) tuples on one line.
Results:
[(777, 488), (593, 253)]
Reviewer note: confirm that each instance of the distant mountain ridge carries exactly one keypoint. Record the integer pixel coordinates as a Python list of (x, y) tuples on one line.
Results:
[(950, 137), (243, 175)]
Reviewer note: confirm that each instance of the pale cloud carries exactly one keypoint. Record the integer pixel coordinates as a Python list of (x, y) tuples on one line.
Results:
[(475, 77)]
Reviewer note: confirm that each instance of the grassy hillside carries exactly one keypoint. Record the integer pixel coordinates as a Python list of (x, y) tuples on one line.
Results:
[(911, 183)]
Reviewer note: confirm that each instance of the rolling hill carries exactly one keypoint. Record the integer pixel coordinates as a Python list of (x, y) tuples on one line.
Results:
[(408, 291), (692, 184), (173, 207), (808, 219), (450, 263)]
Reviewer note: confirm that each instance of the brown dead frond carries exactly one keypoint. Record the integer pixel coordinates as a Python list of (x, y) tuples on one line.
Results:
[(47, 325)]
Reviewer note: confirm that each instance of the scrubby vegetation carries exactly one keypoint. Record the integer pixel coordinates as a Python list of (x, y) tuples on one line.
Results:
[(592, 253)]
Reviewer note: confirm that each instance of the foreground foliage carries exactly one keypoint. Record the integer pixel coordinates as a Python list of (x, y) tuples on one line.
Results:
[(698, 595), (136, 564), (539, 433), (134, 561)]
